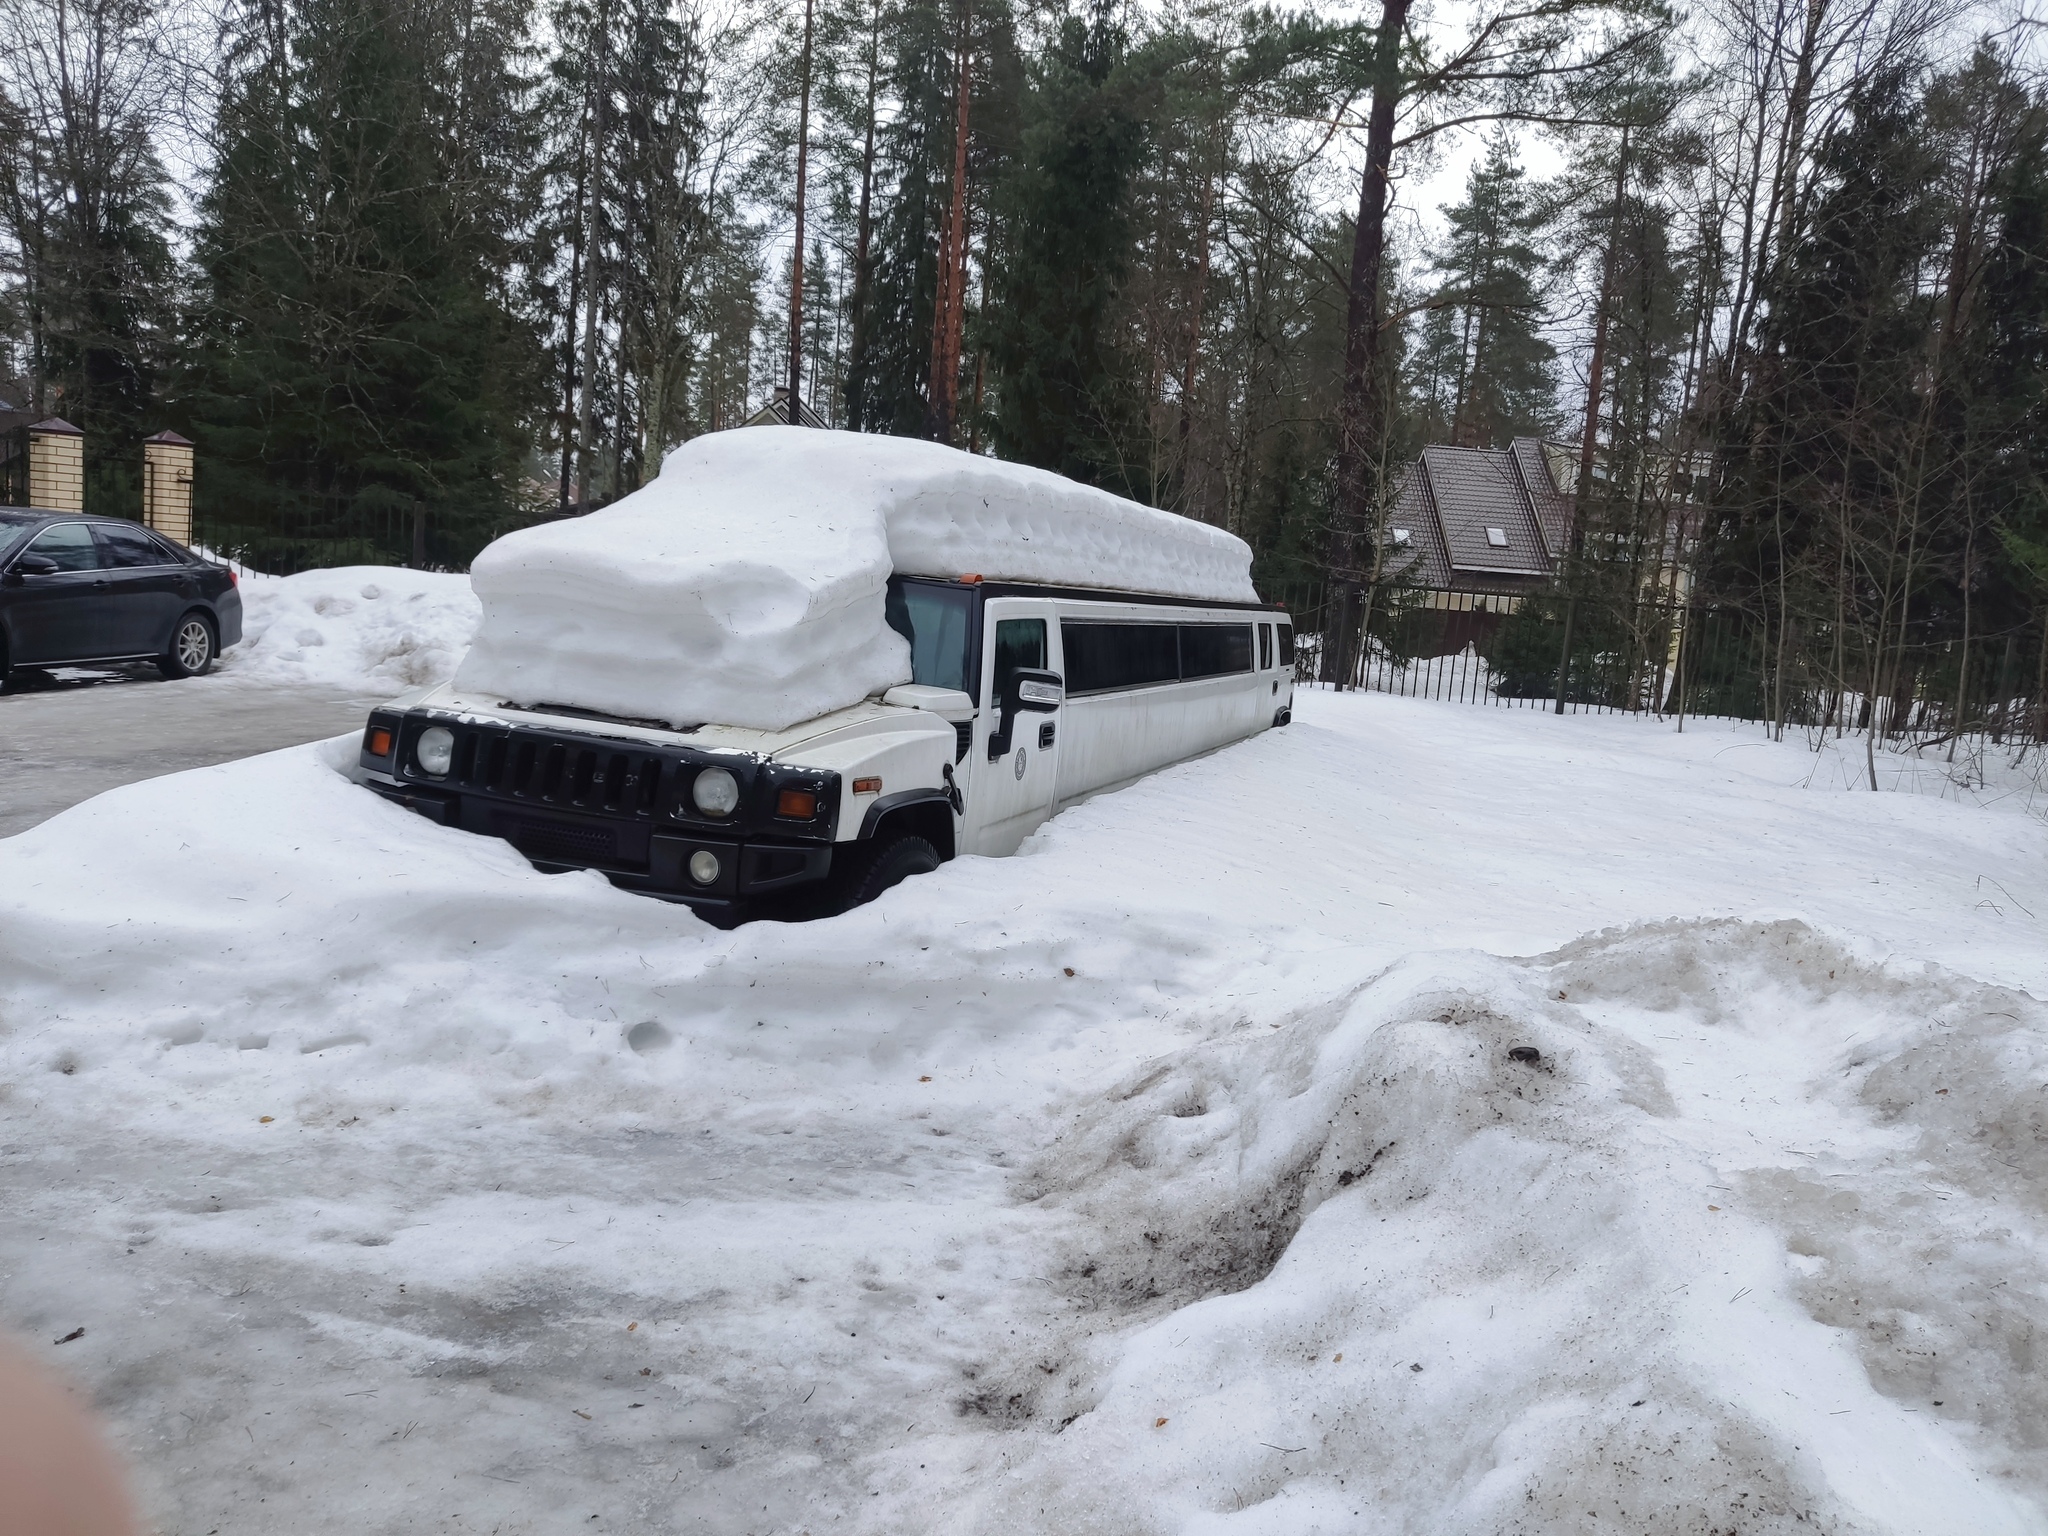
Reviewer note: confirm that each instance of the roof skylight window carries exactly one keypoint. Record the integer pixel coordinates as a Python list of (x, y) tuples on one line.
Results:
[(1401, 538), (1497, 537)]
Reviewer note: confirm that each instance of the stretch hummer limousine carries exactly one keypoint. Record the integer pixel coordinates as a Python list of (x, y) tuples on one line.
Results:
[(1021, 697)]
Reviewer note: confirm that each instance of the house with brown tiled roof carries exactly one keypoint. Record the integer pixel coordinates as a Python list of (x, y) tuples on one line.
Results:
[(1474, 530), (1479, 520)]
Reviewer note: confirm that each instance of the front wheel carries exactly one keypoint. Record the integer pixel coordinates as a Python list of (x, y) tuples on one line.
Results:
[(192, 649), (867, 871)]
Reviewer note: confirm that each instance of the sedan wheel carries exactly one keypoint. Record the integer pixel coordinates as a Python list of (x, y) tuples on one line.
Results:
[(191, 653)]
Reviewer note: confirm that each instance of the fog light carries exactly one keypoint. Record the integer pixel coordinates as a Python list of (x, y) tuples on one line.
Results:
[(704, 866), (435, 750), (716, 792)]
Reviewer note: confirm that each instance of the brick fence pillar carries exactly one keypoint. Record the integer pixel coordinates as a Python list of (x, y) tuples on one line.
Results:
[(167, 485), (56, 466)]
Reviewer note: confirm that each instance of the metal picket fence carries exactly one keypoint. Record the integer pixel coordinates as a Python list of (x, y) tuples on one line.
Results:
[(1672, 658)]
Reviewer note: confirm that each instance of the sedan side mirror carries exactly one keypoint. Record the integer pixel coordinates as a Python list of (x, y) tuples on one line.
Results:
[(1028, 691), (36, 565)]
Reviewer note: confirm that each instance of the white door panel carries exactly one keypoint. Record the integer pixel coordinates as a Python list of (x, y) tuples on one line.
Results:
[(1009, 797)]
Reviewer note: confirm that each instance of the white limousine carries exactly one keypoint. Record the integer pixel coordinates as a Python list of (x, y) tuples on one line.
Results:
[(1022, 697)]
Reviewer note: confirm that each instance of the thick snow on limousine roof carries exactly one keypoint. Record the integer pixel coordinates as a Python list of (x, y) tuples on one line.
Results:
[(745, 585)]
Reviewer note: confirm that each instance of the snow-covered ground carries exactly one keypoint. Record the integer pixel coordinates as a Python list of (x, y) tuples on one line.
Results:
[(358, 628), (1176, 1175)]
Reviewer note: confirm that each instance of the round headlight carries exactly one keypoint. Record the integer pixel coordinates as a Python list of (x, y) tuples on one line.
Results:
[(435, 750), (716, 792), (704, 866)]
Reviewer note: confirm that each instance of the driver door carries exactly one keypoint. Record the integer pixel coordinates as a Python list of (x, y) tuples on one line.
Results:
[(60, 616), (1013, 792)]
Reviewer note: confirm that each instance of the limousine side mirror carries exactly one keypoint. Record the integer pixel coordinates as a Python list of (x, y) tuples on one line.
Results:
[(1028, 691)]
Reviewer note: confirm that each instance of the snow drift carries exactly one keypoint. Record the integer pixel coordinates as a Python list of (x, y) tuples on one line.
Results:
[(744, 586), (1730, 1249), (365, 628)]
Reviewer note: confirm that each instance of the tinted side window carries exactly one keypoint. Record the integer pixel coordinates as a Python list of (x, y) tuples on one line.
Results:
[(126, 546), (1102, 657), (1286, 645), (1213, 650), (1265, 647), (939, 624), (1019, 643), (70, 545)]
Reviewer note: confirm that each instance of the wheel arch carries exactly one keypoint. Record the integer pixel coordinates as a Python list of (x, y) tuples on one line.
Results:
[(925, 813)]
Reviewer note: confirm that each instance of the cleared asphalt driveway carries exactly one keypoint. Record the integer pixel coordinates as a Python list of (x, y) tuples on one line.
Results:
[(68, 738)]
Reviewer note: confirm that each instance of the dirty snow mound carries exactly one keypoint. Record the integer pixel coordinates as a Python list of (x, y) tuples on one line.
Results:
[(744, 586), (364, 628), (1510, 1246)]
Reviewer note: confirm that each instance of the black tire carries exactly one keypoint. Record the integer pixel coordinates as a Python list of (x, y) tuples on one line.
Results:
[(867, 870), (193, 648)]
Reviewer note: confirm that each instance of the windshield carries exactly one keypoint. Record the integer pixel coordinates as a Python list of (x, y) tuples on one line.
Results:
[(938, 621), (14, 523)]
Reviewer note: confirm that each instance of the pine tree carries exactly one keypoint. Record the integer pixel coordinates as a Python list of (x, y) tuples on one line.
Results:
[(662, 227), (1501, 386), (355, 350), (888, 371), (84, 209), (1063, 397), (889, 365)]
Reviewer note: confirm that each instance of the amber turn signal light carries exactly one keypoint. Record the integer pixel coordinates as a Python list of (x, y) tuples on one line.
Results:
[(379, 742), (867, 786), (800, 803)]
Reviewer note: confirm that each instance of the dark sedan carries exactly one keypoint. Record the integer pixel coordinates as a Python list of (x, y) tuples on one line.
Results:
[(85, 589)]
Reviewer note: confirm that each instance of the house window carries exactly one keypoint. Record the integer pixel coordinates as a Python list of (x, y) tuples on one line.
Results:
[(1497, 537), (1401, 537)]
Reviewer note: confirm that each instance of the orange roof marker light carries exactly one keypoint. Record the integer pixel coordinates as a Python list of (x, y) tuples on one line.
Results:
[(971, 578)]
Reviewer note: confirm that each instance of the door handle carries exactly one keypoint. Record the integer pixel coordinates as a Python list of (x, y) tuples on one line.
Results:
[(101, 582)]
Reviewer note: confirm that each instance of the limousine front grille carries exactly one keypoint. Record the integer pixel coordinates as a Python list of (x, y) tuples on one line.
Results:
[(542, 839), (572, 774)]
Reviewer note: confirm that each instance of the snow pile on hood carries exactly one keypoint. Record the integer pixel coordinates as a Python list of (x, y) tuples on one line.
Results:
[(362, 628), (744, 586)]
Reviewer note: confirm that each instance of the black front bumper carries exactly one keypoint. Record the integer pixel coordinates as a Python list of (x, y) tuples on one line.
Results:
[(568, 800), (631, 855)]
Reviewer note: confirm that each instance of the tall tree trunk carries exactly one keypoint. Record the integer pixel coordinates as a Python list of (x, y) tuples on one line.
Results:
[(1362, 414), (950, 299), (2041, 681), (864, 227), (590, 267), (575, 301), (1589, 441), (1194, 352), (1955, 727), (796, 258)]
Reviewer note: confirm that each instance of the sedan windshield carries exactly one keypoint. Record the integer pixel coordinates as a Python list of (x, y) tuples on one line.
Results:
[(14, 523)]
